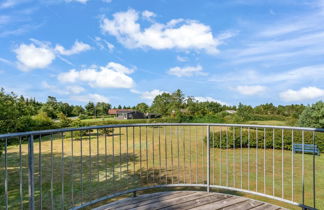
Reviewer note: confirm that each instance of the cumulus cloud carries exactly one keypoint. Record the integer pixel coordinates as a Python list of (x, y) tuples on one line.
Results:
[(90, 97), (78, 47), (113, 75), (186, 71), (150, 95), (33, 57), (175, 34), (210, 99), (63, 90), (250, 90), (305, 93)]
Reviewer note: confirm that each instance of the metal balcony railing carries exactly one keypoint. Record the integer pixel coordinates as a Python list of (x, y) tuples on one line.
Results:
[(78, 167)]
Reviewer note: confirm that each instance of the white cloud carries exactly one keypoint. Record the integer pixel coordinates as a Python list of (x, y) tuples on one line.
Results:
[(32, 57), (80, 1), (90, 97), (75, 89), (148, 15), (10, 3), (250, 90), (78, 47), (62, 90), (113, 75), (103, 44), (305, 93), (175, 34), (210, 99), (186, 71), (182, 59), (150, 95)]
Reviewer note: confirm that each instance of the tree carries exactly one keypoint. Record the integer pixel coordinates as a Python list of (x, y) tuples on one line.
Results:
[(313, 116), (90, 108), (77, 110), (142, 107), (102, 108)]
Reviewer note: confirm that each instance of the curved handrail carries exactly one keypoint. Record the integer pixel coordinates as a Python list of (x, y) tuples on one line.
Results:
[(60, 130), (176, 143)]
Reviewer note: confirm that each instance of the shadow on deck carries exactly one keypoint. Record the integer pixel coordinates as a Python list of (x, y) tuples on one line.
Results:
[(188, 200)]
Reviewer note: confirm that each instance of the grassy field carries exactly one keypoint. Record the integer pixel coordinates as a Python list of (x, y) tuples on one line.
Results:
[(269, 122), (154, 155)]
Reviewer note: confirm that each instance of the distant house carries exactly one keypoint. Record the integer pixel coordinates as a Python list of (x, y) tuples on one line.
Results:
[(126, 114), (152, 115), (114, 111), (131, 114), (230, 111)]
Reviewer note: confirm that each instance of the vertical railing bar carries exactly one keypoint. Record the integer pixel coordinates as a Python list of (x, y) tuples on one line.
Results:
[(214, 155), (220, 157), (147, 168), (196, 139), (62, 172), (202, 154), (190, 173), (282, 163), (140, 145), (127, 158), (234, 168), (52, 171), (6, 173), (184, 156), (20, 176), (72, 165), (90, 160), (30, 172), (256, 159), (249, 158), (227, 163), (178, 154), (292, 165), (40, 172), (133, 138), (303, 183), (208, 158), (113, 156), (106, 161), (264, 160), (153, 154), (120, 154), (166, 156), (81, 157), (273, 162), (160, 166), (314, 181), (241, 167), (171, 134), (98, 169)]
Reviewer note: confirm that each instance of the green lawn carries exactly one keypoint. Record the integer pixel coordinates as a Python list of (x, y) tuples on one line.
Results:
[(153, 156)]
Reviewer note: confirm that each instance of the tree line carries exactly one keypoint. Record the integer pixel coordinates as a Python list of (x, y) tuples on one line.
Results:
[(18, 113)]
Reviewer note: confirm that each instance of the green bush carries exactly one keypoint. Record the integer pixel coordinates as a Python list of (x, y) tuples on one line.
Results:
[(313, 116), (230, 137)]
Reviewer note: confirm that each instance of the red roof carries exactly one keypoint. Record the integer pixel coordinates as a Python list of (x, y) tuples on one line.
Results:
[(114, 111)]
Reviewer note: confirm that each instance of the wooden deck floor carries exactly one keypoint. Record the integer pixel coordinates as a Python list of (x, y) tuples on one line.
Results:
[(188, 200)]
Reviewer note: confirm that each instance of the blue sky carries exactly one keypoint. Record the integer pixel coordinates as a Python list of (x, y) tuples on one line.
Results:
[(126, 52)]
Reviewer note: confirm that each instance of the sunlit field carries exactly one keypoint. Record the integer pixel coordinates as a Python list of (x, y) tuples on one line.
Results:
[(77, 170)]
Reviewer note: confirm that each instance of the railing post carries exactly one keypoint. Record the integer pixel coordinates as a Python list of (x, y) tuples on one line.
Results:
[(208, 157), (31, 171)]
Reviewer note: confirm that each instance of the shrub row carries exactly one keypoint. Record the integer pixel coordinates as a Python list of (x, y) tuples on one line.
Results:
[(229, 137)]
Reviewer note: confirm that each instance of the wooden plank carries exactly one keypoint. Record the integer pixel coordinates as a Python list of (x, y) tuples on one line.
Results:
[(197, 202), (174, 201), (244, 205), (154, 200), (221, 204), (267, 206), (138, 199)]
